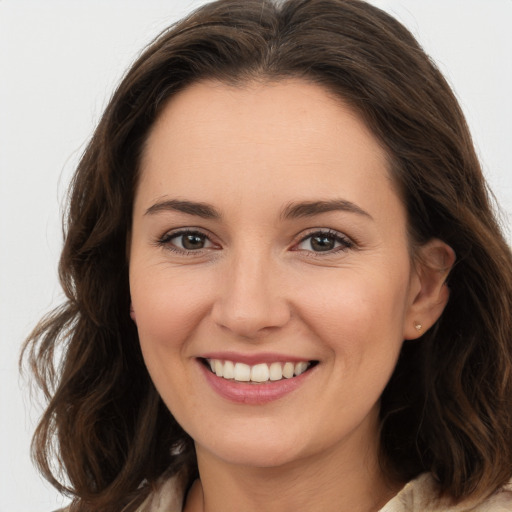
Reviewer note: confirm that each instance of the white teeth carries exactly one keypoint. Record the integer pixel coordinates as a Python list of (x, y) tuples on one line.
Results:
[(218, 368), (229, 370), (300, 368), (276, 371), (288, 369), (242, 372), (261, 372)]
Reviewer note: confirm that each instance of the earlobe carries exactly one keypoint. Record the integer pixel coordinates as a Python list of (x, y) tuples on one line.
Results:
[(132, 313), (430, 294)]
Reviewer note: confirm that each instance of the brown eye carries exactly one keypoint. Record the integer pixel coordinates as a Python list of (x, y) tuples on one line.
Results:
[(324, 242), (192, 241), (187, 241)]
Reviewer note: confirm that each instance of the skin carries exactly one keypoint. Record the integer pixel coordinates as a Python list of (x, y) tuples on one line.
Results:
[(256, 284)]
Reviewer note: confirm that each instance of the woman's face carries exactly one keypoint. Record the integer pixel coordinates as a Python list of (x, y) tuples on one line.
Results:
[(268, 238)]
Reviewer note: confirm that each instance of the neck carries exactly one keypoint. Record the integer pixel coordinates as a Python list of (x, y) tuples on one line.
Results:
[(341, 480)]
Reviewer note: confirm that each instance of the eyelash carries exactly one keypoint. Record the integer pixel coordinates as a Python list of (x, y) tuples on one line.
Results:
[(165, 241), (344, 242)]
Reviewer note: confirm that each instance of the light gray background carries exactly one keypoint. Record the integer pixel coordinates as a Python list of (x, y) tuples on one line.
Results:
[(59, 62)]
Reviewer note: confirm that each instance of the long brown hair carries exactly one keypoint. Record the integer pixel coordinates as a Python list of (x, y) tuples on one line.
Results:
[(447, 408)]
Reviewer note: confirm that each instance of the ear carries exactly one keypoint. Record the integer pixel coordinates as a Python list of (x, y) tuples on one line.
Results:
[(132, 313), (429, 293)]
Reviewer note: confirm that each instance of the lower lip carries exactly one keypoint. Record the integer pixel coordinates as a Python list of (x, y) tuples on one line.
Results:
[(253, 394)]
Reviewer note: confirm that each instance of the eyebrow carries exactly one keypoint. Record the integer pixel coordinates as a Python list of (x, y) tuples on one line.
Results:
[(291, 211), (311, 208), (202, 210)]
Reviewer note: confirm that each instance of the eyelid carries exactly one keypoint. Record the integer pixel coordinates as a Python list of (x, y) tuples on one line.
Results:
[(345, 241), (165, 240)]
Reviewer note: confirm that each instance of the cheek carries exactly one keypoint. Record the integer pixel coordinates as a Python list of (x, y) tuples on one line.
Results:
[(363, 301), (359, 319), (168, 307)]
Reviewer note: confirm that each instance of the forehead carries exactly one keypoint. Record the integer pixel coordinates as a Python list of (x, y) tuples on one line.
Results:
[(292, 137), (262, 107)]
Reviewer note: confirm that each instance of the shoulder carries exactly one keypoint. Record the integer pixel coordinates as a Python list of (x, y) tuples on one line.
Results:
[(419, 496)]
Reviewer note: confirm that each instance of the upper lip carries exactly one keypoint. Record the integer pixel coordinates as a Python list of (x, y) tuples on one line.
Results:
[(253, 359)]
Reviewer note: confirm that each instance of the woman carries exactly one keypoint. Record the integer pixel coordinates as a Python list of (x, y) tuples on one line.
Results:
[(286, 286)]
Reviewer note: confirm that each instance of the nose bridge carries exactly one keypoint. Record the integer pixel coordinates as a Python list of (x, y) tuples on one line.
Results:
[(250, 300)]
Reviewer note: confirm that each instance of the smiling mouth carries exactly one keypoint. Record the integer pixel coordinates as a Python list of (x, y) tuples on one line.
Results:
[(258, 373)]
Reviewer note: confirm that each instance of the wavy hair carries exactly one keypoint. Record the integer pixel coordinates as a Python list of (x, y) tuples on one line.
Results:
[(447, 408)]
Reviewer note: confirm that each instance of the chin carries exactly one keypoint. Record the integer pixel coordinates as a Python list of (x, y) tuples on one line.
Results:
[(262, 449)]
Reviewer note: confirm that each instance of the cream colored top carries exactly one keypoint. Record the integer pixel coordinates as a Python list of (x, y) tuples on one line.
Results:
[(416, 496)]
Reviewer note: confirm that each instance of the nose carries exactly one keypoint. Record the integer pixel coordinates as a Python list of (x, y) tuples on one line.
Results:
[(250, 302)]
